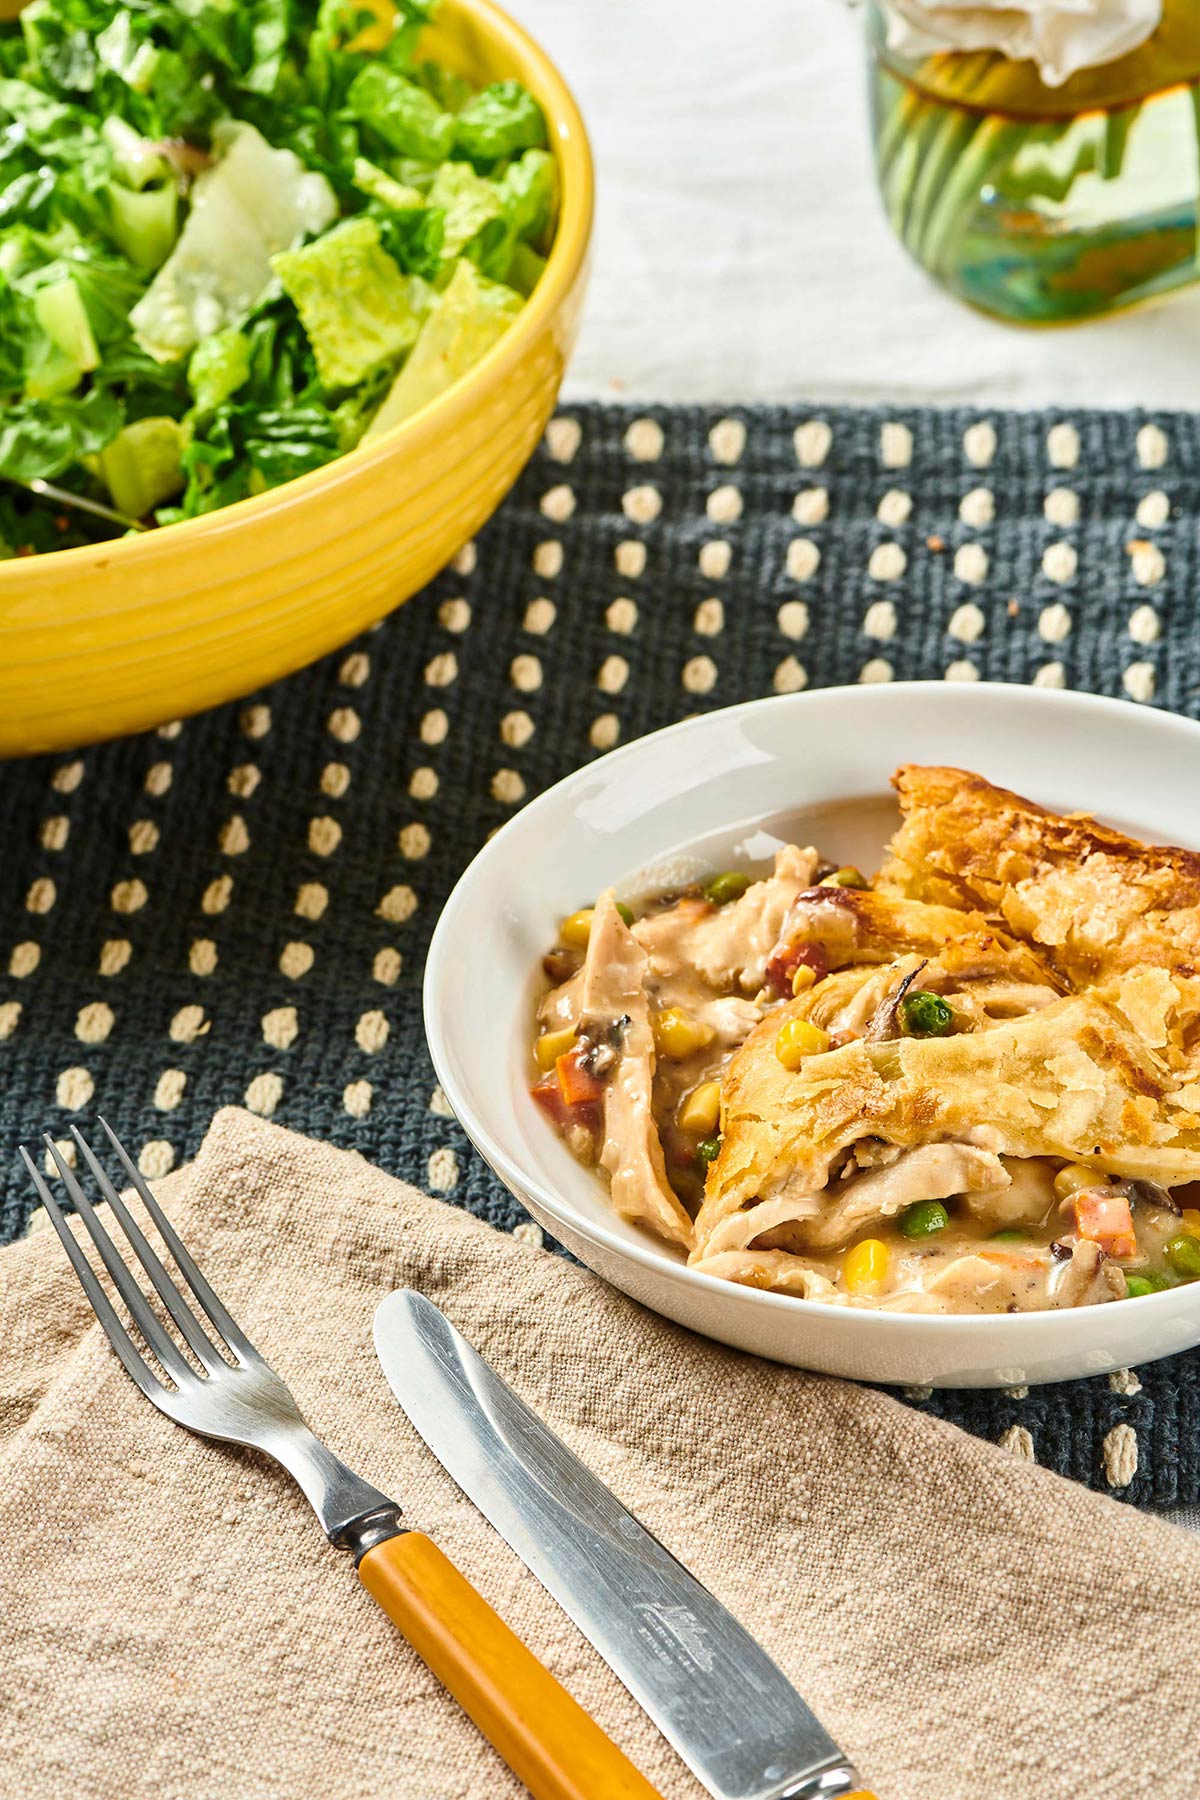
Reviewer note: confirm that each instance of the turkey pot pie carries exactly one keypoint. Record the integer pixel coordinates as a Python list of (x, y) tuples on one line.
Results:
[(971, 1084)]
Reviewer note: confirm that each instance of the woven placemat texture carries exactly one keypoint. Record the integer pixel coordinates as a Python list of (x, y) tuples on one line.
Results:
[(236, 908)]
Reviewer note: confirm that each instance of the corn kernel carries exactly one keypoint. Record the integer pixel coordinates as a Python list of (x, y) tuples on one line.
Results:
[(1191, 1220), (866, 1266), (797, 1039), (576, 930), (1073, 1177), (701, 1109), (677, 1036), (553, 1044), (805, 977)]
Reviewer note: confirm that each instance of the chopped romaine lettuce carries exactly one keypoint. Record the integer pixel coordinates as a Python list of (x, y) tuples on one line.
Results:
[(237, 234), (145, 222), (44, 437), (529, 194), (142, 466), (464, 323), (217, 368), (470, 204), (59, 310), (355, 305), (404, 116), (501, 121), (377, 184)]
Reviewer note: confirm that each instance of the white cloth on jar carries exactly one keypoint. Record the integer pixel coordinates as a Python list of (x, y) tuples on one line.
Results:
[(1060, 36)]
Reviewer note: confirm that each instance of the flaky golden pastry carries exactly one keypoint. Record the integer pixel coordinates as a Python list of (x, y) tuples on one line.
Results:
[(1096, 903), (1068, 1081)]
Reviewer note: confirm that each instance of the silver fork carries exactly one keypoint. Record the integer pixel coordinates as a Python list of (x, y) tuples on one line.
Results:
[(549, 1742)]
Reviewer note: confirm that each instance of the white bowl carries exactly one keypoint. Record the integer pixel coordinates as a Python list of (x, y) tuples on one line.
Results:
[(731, 784)]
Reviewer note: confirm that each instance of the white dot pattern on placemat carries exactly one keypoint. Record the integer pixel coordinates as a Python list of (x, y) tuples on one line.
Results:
[(629, 558), (1061, 506), (811, 506), (812, 441), (540, 615), (563, 438), (887, 562), (792, 619), (1059, 562), (971, 563), (727, 440), (644, 440), (724, 504), (1120, 1456), (641, 504), (967, 623), (1153, 510), (879, 620), (895, 445), (1019, 1440), (977, 508), (1147, 564), (790, 676), (894, 508), (649, 566), (979, 444)]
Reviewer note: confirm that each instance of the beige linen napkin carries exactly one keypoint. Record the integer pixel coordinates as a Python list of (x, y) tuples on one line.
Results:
[(968, 1626)]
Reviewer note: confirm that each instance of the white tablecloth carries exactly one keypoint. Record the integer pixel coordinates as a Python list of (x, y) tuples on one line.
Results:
[(740, 250)]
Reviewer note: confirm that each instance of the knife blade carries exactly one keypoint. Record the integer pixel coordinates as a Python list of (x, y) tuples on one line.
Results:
[(727, 1710)]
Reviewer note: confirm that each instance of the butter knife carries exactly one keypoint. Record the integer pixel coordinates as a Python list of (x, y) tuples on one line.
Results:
[(718, 1699)]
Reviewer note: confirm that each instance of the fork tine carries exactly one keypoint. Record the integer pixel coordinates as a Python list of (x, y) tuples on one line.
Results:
[(166, 1351), (189, 1326), (116, 1333), (237, 1340)]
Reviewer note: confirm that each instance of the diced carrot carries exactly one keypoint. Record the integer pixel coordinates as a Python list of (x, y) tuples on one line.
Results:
[(579, 1086), (549, 1097), (1105, 1218)]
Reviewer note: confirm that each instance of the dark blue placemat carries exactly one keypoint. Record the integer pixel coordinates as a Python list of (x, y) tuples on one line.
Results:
[(237, 909)]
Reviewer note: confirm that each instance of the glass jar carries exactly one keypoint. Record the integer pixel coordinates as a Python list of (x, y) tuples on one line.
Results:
[(1044, 204)]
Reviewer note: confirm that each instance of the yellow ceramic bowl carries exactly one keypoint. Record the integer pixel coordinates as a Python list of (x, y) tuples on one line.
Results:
[(118, 636)]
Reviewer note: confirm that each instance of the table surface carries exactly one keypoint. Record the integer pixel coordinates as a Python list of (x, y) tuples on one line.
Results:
[(741, 253)]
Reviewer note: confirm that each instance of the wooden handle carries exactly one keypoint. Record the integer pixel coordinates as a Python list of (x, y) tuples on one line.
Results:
[(544, 1736)]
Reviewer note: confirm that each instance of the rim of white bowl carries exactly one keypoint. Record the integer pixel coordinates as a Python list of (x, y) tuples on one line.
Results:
[(514, 1173)]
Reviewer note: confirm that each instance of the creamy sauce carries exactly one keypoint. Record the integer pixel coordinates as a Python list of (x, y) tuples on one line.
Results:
[(644, 1021)]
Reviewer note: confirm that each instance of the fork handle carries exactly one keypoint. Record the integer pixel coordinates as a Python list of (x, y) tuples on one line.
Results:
[(544, 1736)]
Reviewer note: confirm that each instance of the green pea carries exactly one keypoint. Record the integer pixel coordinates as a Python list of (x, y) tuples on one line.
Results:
[(847, 878), (1011, 1236), (1183, 1254), (923, 1014), (1137, 1285), (708, 1149), (626, 914), (923, 1218), (730, 885)]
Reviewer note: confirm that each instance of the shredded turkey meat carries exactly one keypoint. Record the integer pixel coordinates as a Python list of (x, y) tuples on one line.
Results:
[(851, 1093), (615, 1010)]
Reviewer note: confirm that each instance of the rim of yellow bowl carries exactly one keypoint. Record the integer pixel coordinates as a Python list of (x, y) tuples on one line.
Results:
[(440, 416)]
